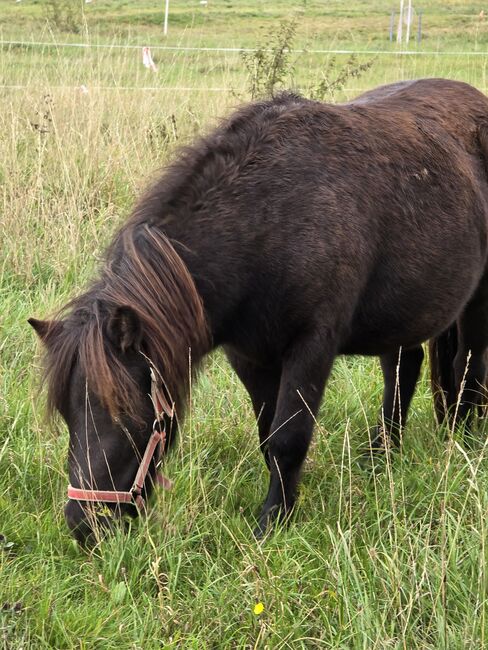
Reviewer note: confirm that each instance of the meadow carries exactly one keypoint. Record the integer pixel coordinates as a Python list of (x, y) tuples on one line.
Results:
[(394, 559)]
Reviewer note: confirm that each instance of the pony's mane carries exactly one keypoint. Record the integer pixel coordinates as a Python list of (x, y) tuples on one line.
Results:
[(143, 271), (213, 160)]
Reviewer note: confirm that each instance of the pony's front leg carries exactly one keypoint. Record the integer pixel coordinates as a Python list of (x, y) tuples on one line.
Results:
[(304, 374), (262, 384)]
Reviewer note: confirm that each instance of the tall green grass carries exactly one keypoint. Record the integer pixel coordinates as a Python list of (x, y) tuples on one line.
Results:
[(394, 559)]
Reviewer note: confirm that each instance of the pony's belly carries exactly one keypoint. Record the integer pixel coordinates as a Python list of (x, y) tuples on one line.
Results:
[(371, 345), (408, 305), (379, 335)]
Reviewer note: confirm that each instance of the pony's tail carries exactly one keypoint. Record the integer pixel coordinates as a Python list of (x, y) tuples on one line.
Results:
[(442, 351)]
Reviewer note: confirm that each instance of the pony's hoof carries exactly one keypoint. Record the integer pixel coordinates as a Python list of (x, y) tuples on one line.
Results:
[(270, 519), (372, 456), (266, 522), (372, 460), (259, 532), (472, 441)]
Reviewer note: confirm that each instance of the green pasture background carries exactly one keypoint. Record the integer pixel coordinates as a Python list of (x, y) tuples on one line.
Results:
[(392, 560)]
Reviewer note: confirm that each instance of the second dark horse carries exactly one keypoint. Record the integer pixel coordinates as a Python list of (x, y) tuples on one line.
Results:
[(295, 232)]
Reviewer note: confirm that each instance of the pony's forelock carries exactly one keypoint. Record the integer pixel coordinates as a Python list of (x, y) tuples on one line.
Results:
[(146, 274)]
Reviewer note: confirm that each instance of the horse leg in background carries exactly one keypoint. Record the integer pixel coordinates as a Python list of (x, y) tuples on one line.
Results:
[(262, 384), (306, 368), (401, 371), (470, 361)]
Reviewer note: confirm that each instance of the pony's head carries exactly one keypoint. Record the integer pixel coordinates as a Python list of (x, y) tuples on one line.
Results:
[(117, 358)]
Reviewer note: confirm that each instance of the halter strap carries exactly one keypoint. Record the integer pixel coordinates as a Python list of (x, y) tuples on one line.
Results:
[(160, 403), (158, 436)]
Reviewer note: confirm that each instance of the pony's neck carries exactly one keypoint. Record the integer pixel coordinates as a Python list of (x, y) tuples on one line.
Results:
[(215, 266)]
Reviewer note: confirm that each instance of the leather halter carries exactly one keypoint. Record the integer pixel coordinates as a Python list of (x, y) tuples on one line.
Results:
[(158, 437)]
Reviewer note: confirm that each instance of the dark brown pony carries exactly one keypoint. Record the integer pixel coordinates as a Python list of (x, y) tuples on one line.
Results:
[(295, 232)]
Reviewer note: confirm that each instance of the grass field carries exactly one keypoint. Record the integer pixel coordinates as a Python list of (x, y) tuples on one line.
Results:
[(392, 560)]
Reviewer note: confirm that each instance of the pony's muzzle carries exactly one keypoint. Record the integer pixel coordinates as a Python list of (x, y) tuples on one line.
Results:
[(78, 522), (90, 523)]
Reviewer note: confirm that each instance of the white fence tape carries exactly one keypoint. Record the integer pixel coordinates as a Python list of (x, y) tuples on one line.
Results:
[(176, 48)]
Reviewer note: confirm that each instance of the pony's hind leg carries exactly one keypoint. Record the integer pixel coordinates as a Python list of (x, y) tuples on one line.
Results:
[(470, 360), (305, 371), (442, 352), (262, 384), (401, 370)]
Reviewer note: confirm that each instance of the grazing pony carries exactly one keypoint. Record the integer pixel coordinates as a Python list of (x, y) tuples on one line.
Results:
[(294, 232)]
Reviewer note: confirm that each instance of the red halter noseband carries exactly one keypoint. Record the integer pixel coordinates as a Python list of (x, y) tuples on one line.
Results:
[(158, 437)]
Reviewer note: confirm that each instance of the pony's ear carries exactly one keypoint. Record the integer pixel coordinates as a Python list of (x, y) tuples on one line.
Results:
[(45, 329), (124, 328)]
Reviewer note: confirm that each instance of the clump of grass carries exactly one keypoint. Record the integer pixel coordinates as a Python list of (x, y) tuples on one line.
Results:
[(42, 122), (162, 132), (270, 66), (335, 77), (65, 15)]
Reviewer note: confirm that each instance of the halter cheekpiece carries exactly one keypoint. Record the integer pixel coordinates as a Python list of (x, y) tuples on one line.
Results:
[(158, 437)]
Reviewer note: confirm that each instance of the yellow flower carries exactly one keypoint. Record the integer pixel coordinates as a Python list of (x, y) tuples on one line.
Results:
[(258, 608)]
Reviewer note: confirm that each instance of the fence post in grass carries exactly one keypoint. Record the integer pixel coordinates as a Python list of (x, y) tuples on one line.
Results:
[(419, 31), (400, 23), (392, 25), (409, 20), (166, 12)]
